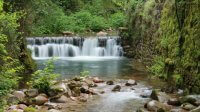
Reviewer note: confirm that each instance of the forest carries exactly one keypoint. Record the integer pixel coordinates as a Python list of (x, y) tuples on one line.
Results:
[(106, 42)]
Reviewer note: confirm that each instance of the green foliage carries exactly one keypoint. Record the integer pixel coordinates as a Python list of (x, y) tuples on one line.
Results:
[(85, 74), (43, 79), (117, 19)]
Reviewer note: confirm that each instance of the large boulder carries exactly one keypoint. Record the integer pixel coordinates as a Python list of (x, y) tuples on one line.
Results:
[(101, 33), (116, 88), (38, 100), (32, 92), (131, 82), (74, 84), (160, 96), (62, 99), (20, 95), (157, 106)]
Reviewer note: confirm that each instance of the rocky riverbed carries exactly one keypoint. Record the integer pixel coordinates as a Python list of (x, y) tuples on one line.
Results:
[(92, 94)]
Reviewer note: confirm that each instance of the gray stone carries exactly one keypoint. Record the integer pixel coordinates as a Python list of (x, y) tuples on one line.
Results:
[(22, 106), (20, 95), (32, 92), (62, 99), (51, 105), (157, 106), (39, 100)]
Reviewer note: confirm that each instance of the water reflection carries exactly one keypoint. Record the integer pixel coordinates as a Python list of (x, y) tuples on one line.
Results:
[(101, 67)]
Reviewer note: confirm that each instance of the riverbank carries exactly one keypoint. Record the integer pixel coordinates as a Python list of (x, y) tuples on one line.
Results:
[(92, 94)]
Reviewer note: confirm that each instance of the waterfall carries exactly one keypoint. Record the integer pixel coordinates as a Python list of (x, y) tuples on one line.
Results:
[(44, 47)]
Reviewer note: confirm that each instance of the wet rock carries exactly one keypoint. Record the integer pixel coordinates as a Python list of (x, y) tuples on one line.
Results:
[(76, 92), (20, 95), (54, 110), (159, 96), (39, 100), (116, 88), (62, 99), (101, 33), (51, 105), (196, 109), (22, 106), (84, 89), (154, 95), (174, 102), (156, 106), (188, 106), (74, 84), (90, 83), (110, 82), (32, 92), (131, 83), (145, 95), (97, 80)]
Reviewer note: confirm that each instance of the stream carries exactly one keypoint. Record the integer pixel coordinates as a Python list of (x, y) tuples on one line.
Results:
[(102, 57)]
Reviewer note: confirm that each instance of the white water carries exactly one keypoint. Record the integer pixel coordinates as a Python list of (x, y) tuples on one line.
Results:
[(67, 47)]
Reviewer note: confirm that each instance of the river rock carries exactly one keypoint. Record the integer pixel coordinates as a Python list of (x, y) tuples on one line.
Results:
[(12, 99), (101, 33), (97, 80), (90, 83), (20, 95), (174, 102), (54, 110), (110, 82), (39, 100), (196, 109), (131, 83), (141, 110), (159, 96), (116, 88), (188, 106), (74, 84), (62, 99), (61, 87), (22, 106), (157, 106), (32, 92)]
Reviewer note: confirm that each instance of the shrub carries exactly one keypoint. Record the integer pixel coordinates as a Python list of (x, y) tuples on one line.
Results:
[(43, 79), (117, 20)]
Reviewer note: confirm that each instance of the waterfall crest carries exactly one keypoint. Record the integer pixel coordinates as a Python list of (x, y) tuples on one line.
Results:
[(44, 47)]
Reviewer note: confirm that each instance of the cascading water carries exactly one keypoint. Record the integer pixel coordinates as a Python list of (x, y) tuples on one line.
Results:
[(45, 47)]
